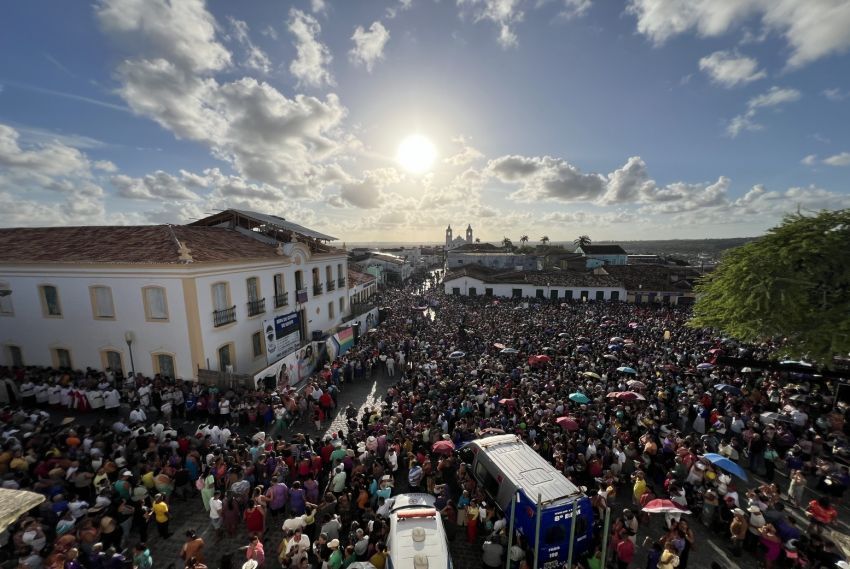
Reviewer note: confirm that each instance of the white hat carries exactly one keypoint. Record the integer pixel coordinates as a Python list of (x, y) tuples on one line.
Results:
[(420, 561), (250, 564), (738, 512), (126, 473), (333, 544)]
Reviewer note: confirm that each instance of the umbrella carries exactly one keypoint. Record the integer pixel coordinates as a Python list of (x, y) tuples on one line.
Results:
[(592, 374), (630, 396), (610, 357), (705, 366), (567, 423), (16, 503), (714, 350), (547, 349), (748, 370), (615, 347), (721, 461), (627, 369), (615, 340), (584, 349), (499, 346), (633, 325), (580, 398), (443, 447), (456, 355), (506, 401), (726, 388), (660, 506), (539, 359), (635, 384), (509, 351), (563, 335)]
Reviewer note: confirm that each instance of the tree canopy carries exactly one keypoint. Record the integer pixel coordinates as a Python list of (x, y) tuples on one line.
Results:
[(794, 282)]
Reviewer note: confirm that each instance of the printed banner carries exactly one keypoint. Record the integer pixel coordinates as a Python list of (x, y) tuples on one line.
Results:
[(283, 336)]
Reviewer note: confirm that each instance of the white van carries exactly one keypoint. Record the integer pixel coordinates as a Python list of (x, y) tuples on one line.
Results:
[(417, 538)]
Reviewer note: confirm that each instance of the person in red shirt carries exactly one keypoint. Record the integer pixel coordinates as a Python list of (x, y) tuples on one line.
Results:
[(821, 511), (255, 519), (625, 551)]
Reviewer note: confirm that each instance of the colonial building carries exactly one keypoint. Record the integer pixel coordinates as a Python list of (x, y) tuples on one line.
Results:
[(599, 255), (166, 299), (458, 241), (665, 284), (476, 280), (389, 269)]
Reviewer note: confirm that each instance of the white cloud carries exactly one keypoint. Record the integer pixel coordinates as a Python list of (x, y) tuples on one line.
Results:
[(181, 32), (842, 159), (255, 58), (400, 6), (730, 69), (105, 166), (155, 186), (269, 32), (545, 177), (836, 95), (810, 160), (504, 13), (812, 29), (465, 156), (367, 193), (575, 8), (46, 160), (313, 57), (318, 6), (773, 97), (369, 45)]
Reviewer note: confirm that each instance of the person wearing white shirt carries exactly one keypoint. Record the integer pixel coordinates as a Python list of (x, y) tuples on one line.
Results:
[(111, 399), (137, 415), (225, 435), (215, 435), (54, 395), (216, 510), (65, 397), (224, 410), (145, 396), (41, 393), (296, 523), (95, 398)]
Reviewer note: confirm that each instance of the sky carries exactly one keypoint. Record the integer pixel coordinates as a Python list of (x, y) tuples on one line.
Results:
[(389, 120)]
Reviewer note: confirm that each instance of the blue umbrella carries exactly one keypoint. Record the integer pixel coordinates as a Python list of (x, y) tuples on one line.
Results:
[(509, 351), (721, 461), (726, 388), (580, 398), (626, 369), (705, 366), (615, 347), (456, 355)]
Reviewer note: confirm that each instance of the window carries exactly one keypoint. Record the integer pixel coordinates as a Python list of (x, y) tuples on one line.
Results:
[(456, 291), (568, 294), (339, 274), (156, 304), (163, 364), (253, 289), (62, 358), (473, 291), (516, 293), (220, 295), (553, 294), (6, 300), (299, 280), (225, 359), (329, 273), (585, 295), (278, 284), (487, 480), (16, 357), (342, 305), (615, 295), (101, 302), (331, 309), (540, 293), (113, 360), (600, 295), (257, 343), (488, 292), (50, 301)]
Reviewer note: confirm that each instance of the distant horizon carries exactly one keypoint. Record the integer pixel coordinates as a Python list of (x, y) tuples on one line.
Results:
[(355, 244)]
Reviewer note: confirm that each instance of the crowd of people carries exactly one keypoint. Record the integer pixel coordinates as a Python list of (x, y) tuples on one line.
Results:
[(646, 405)]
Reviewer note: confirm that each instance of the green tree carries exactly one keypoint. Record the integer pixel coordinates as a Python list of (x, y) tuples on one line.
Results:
[(582, 241), (544, 240), (794, 282), (523, 240), (507, 243)]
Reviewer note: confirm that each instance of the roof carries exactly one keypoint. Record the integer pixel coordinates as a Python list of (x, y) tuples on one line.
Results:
[(476, 247), (523, 467), (385, 257), (357, 278), (654, 277), (265, 219), (142, 244), (603, 250), (538, 278)]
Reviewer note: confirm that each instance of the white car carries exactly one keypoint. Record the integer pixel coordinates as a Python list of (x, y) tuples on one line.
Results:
[(417, 538)]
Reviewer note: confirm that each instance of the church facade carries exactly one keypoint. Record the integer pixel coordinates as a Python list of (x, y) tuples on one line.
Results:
[(458, 241)]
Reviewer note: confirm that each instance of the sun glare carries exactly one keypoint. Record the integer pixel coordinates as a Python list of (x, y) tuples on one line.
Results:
[(416, 154)]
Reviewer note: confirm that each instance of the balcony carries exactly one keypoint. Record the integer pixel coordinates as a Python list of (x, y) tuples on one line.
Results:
[(331, 285), (341, 283), (257, 306), (281, 300), (317, 289), (222, 317)]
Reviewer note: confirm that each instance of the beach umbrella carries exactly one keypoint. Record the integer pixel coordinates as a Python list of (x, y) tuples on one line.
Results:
[(456, 355), (705, 366), (630, 396), (726, 464), (509, 351), (443, 447), (592, 374), (616, 340), (579, 398), (567, 423), (16, 503), (726, 388), (661, 506), (627, 369), (635, 384)]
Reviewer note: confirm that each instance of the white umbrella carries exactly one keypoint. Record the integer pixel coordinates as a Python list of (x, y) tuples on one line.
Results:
[(16, 503)]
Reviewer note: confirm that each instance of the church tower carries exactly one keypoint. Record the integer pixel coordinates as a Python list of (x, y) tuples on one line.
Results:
[(469, 234), (448, 237)]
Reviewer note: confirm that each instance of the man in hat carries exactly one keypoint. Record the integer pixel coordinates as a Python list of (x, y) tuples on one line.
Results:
[(335, 559)]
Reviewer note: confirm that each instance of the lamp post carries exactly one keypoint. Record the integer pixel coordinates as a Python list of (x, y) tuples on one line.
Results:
[(129, 337)]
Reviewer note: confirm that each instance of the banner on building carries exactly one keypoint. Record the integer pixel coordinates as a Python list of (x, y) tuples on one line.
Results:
[(340, 343), (283, 336)]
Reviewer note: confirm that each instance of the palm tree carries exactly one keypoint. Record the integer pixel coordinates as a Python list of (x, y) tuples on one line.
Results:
[(582, 241), (545, 239), (523, 240), (478, 240), (507, 243)]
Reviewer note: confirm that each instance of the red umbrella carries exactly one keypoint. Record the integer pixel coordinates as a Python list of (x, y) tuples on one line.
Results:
[(443, 447), (568, 423), (498, 345), (614, 394), (630, 396), (506, 401), (659, 506)]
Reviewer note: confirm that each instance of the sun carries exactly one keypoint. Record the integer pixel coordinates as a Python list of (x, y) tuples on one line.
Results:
[(416, 154)]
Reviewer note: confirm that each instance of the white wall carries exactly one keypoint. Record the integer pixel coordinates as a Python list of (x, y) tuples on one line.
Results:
[(84, 336), (528, 290)]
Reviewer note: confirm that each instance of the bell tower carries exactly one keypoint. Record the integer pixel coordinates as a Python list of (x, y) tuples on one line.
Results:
[(469, 233), (448, 237)]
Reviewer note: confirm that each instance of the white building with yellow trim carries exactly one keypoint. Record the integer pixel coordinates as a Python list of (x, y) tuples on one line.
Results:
[(187, 298)]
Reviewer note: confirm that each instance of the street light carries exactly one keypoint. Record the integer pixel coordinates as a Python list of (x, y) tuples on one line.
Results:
[(129, 337)]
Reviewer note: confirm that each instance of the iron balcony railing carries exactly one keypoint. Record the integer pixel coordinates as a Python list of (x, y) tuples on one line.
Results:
[(226, 316), (281, 299), (317, 289), (341, 283), (257, 306), (331, 285)]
